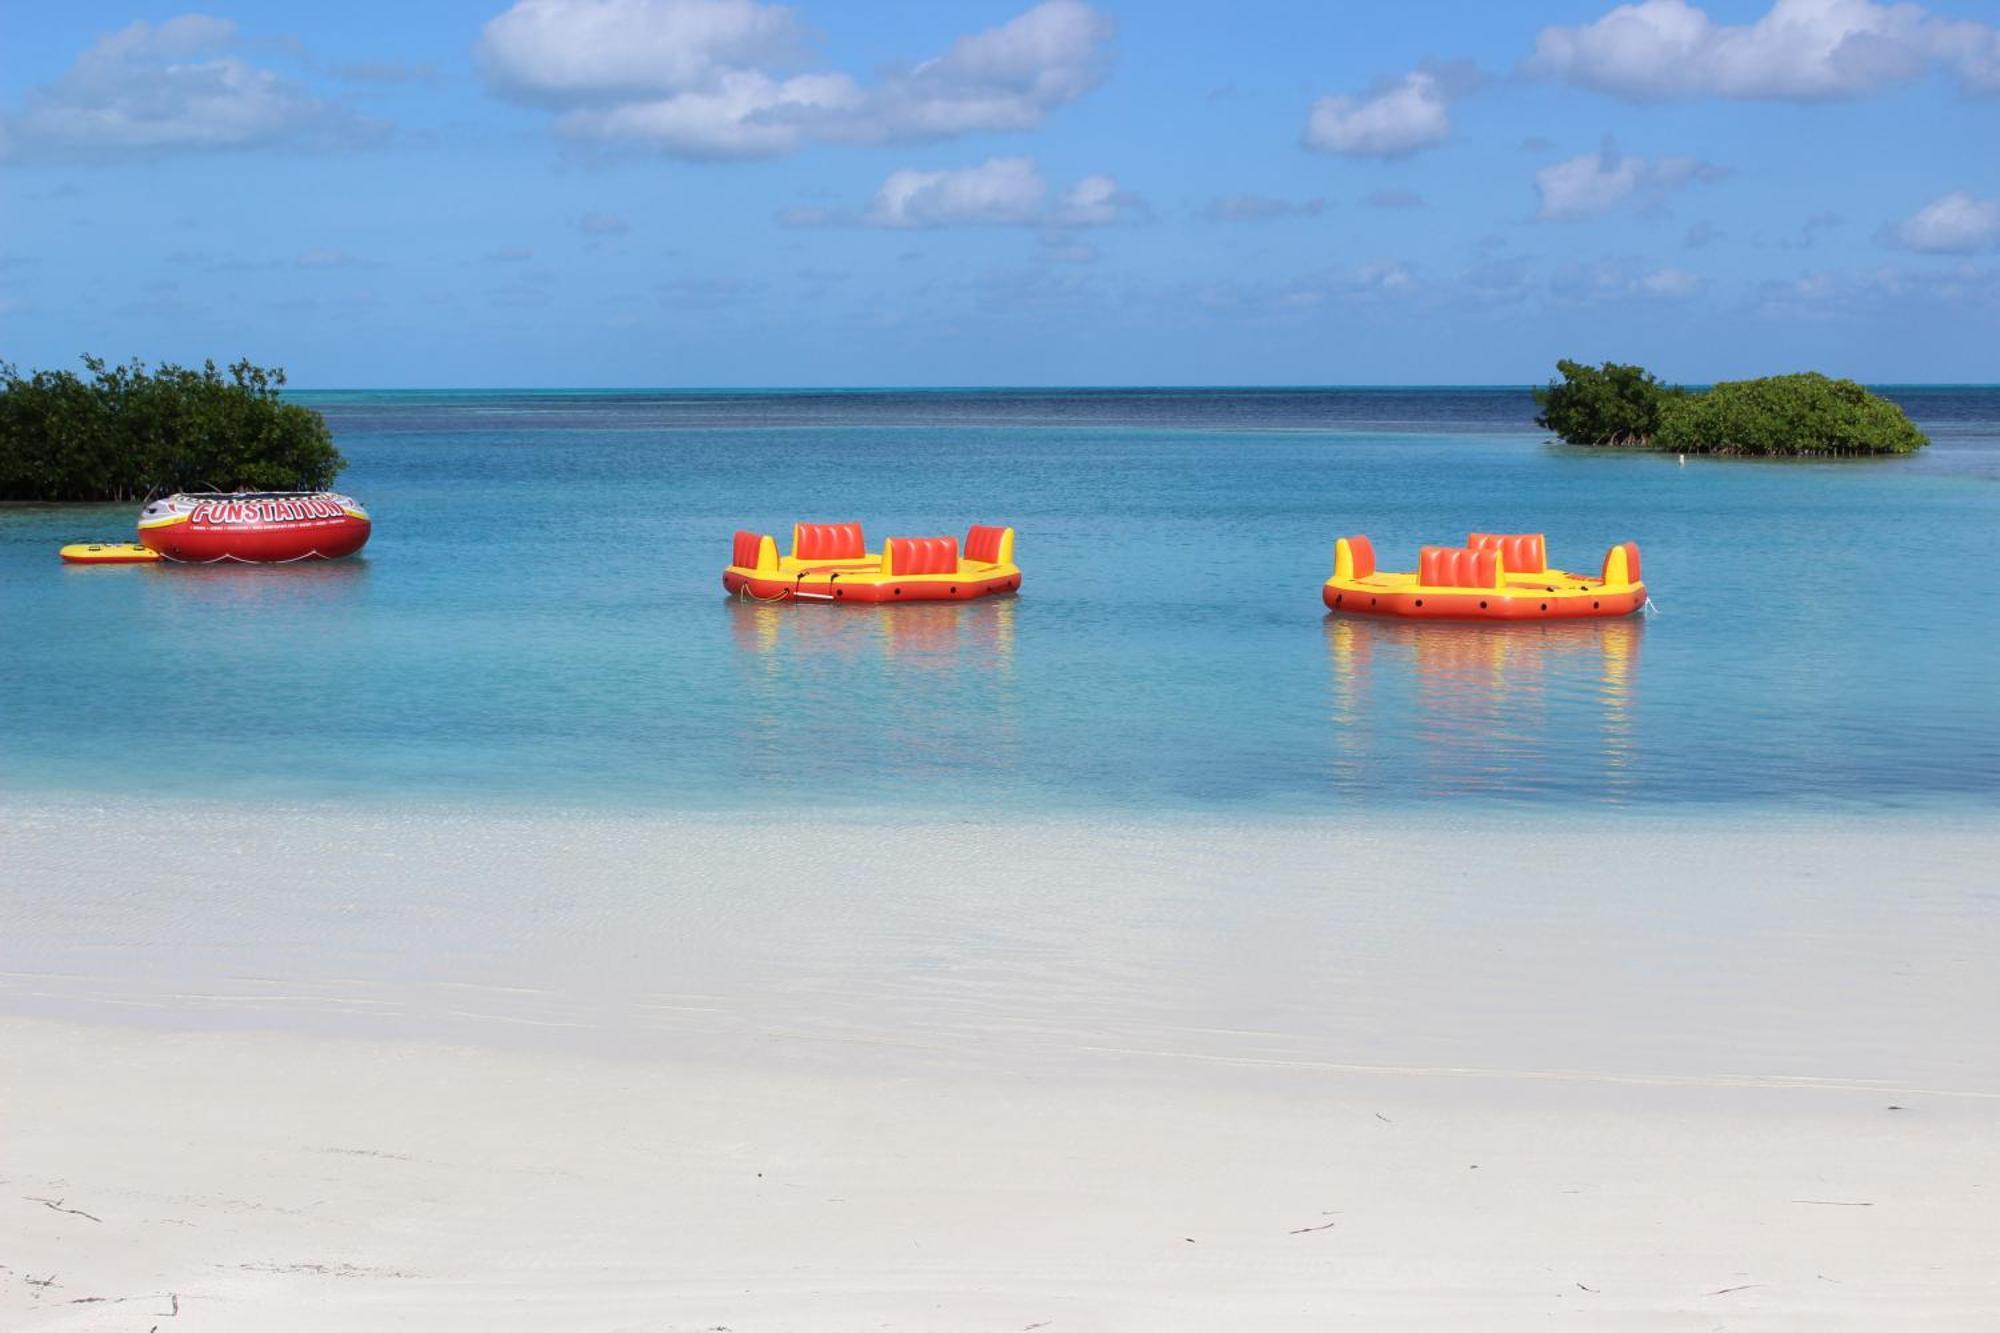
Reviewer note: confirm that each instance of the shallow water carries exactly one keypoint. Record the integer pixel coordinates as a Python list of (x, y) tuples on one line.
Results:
[(539, 616), (1589, 942)]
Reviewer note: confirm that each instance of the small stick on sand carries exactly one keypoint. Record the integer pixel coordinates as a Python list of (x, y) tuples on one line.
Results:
[(57, 1204)]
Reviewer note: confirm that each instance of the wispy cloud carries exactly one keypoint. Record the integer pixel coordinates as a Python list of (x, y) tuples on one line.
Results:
[(1395, 118), (180, 86), (712, 78), (1952, 224), (1395, 121), (1595, 184), (999, 192), (1002, 191), (1800, 50)]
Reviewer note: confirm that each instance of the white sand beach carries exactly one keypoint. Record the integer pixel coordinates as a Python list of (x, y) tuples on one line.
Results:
[(337, 1069)]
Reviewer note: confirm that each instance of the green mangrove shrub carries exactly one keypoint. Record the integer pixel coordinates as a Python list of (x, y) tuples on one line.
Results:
[(1608, 404), (1791, 415), (1788, 414), (123, 433)]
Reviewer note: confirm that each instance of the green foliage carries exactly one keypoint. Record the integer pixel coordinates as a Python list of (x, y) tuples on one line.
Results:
[(1789, 414), (122, 434), (1612, 404), (1781, 414)]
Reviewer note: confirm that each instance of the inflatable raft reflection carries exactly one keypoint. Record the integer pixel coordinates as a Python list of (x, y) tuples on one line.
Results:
[(926, 693), (1492, 709), (927, 635), (256, 589)]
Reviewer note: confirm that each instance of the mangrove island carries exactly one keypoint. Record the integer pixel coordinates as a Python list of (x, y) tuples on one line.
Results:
[(1803, 415), (124, 433)]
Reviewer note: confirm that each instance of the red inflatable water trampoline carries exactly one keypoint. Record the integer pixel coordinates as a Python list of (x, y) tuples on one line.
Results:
[(255, 527)]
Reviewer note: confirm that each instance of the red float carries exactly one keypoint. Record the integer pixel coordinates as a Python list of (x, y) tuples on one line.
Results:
[(255, 527)]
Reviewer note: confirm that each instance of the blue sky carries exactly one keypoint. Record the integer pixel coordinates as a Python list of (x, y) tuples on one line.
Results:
[(724, 192)]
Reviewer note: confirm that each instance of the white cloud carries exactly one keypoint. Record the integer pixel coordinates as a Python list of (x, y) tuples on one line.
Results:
[(560, 51), (1952, 224), (1595, 184), (1094, 201), (713, 78), (176, 86), (1800, 50), (1000, 192), (1397, 119)]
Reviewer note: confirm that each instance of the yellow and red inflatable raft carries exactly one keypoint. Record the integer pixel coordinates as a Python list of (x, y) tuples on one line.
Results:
[(1494, 576), (831, 562)]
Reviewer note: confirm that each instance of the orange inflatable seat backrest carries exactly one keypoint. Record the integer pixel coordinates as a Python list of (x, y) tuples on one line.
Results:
[(1520, 552), (744, 554), (828, 541), (983, 543), (920, 555), (1362, 552), (1631, 550), (1458, 567)]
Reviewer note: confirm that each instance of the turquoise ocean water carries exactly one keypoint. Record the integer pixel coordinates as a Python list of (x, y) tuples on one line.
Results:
[(539, 617)]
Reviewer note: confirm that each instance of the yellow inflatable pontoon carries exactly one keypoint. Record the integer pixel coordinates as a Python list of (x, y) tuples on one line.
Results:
[(1494, 576), (831, 562), (108, 553)]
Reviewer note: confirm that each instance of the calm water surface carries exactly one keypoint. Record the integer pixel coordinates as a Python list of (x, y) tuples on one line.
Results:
[(539, 616)]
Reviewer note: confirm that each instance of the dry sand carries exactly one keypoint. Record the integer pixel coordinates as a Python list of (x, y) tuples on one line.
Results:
[(188, 1145)]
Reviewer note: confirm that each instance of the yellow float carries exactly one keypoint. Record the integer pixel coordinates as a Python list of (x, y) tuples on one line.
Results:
[(108, 553), (831, 562), (1494, 576)]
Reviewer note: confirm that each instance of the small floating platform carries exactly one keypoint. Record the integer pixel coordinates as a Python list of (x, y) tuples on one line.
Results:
[(831, 562), (109, 553), (1494, 576)]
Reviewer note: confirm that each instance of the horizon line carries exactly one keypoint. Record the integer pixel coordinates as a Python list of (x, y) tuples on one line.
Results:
[(1491, 385)]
